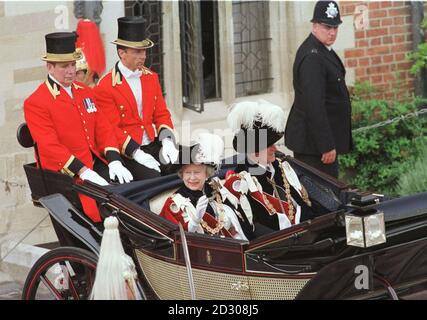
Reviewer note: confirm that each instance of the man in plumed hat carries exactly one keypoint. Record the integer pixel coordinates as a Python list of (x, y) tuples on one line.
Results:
[(71, 134), (319, 124), (277, 198), (131, 96)]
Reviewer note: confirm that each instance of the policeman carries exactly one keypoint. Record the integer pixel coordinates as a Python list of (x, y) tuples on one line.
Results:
[(131, 96), (319, 124), (72, 135)]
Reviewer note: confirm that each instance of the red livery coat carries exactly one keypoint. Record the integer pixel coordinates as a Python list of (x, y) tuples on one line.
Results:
[(115, 97), (68, 131)]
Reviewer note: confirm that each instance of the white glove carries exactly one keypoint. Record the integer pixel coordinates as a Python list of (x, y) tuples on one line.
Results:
[(169, 151), (117, 170), (92, 176), (201, 206), (146, 160)]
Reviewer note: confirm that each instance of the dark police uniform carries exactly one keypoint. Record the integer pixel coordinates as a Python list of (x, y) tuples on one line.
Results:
[(320, 118)]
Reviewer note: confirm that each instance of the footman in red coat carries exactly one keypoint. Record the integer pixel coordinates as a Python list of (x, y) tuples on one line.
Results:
[(71, 133)]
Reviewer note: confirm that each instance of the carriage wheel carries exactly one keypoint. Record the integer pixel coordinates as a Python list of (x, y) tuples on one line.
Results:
[(65, 273)]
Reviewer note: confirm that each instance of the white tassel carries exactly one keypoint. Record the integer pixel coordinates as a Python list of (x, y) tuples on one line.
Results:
[(115, 271)]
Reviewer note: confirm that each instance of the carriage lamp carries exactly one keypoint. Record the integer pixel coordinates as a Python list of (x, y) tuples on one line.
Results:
[(365, 229)]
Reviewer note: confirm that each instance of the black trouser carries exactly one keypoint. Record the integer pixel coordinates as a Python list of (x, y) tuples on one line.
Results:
[(316, 162)]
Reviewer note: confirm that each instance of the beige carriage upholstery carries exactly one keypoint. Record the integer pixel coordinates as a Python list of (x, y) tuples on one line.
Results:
[(157, 202)]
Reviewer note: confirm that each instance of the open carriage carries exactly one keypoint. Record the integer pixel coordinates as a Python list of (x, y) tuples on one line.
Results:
[(310, 260)]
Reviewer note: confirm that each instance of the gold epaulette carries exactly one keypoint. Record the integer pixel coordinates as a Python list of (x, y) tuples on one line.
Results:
[(145, 70)]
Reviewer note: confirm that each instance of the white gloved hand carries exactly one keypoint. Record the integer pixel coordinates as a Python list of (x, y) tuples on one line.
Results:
[(117, 170), (201, 206), (92, 176), (169, 151), (146, 160)]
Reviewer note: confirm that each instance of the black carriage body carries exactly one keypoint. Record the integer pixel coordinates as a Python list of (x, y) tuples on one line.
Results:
[(310, 260)]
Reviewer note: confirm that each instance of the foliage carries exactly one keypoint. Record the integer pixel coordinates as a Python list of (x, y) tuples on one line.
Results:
[(381, 155), (420, 56), (415, 179)]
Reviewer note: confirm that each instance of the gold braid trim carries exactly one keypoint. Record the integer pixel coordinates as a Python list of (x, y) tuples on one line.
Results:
[(221, 214), (291, 208), (304, 193)]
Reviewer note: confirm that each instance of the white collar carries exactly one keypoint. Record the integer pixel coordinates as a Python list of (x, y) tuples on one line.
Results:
[(67, 89), (127, 73), (328, 47)]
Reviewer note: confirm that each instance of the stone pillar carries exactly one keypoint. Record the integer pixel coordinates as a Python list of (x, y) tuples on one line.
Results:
[(172, 59), (226, 41), (108, 28)]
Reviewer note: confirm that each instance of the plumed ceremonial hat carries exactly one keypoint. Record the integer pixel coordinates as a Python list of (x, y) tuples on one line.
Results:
[(256, 125), (327, 12), (131, 33)]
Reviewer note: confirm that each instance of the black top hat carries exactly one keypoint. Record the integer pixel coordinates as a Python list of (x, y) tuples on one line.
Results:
[(61, 47), (327, 12), (132, 33)]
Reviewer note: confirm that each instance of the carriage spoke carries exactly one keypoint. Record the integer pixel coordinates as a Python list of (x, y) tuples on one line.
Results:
[(49, 285), (71, 285)]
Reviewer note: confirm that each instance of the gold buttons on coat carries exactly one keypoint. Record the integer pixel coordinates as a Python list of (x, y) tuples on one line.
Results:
[(121, 107)]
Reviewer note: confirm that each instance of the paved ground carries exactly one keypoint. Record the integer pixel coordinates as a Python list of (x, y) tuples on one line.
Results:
[(10, 291), (14, 268)]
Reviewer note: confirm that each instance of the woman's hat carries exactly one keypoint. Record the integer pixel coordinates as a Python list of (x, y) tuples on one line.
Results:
[(256, 125), (207, 149), (61, 47), (132, 33)]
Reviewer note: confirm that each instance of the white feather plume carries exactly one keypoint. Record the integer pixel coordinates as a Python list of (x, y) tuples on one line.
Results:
[(211, 148), (244, 114)]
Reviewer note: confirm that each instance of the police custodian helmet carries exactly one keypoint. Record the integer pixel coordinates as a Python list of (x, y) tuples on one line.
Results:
[(327, 12)]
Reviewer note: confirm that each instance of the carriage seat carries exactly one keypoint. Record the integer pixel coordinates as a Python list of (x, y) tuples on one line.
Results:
[(45, 182)]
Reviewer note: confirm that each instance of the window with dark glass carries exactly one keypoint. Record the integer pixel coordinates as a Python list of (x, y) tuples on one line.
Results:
[(252, 47)]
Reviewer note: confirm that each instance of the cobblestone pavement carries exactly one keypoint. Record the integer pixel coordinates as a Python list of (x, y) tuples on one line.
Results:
[(10, 291)]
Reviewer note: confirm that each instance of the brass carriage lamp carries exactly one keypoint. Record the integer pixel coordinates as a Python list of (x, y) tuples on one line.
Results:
[(365, 228)]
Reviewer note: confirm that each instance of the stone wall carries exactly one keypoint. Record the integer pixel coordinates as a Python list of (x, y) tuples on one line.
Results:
[(22, 29)]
